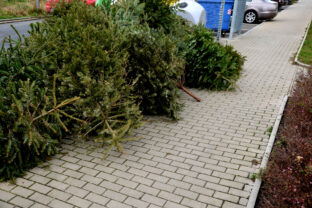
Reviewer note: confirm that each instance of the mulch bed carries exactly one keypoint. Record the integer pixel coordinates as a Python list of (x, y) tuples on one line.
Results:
[(287, 181)]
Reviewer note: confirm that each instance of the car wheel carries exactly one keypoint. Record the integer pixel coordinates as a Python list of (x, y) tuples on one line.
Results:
[(250, 17)]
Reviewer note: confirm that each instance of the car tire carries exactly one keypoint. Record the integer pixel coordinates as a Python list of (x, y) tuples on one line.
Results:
[(250, 17)]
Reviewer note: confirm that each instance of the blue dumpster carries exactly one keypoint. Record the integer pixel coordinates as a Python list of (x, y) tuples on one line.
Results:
[(212, 8)]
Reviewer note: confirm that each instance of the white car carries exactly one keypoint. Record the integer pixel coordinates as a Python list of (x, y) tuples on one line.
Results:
[(191, 11)]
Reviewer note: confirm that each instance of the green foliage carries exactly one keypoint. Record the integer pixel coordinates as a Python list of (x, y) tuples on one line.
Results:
[(92, 71), (24, 139), (159, 14), (269, 130), (30, 118), (87, 59), (155, 66), (91, 61), (209, 64)]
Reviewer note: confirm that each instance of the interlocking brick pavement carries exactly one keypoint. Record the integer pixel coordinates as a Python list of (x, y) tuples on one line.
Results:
[(203, 160)]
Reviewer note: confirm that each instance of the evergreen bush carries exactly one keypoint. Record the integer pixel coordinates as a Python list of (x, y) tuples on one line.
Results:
[(90, 72), (82, 49), (209, 64), (30, 117), (159, 14), (155, 66), (90, 60)]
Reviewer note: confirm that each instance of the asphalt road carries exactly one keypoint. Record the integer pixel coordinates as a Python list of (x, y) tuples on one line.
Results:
[(22, 27)]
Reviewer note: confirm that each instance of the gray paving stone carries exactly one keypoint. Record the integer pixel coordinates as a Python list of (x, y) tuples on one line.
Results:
[(22, 191), (231, 205), (97, 206), (115, 195), (217, 187), (89, 171), (97, 199), (6, 186), (154, 200), (210, 200), (56, 168), (56, 176), (226, 197), (78, 191), (59, 195), (84, 163), (72, 173), (40, 188), (111, 186), (243, 201), (138, 172), (58, 185), (170, 204), (202, 190), (74, 182), (131, 192), (71, 166), (164, 187), (115, 204), (5, 205), (21, 202), (179, 184), (195, 181), (122, 174), (95, 188), (79, 202), (170, 197), (186, 193), (70, 159), (232, 184), (57, 204), (23, 182), (5, 196), (136, 203), (173, 175), (43, 199), (193, 203), (208, 178), (239, 193), (40, 179), (147, 189), (40, 171), (143, 180), (95, 180)]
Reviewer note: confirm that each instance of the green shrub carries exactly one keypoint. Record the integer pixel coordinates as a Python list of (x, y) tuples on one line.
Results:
[(91, 61), (89, 71), (30, 118), (82, 48), (30, 126), (209, 64), (155, 66), (159, 14)]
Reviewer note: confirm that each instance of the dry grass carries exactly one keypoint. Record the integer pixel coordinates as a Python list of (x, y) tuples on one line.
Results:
[(20, 8)]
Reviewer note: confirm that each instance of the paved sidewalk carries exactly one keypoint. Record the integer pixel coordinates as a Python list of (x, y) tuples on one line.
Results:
[(204, 160)]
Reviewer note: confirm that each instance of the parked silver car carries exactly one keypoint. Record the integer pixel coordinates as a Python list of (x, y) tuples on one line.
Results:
[(260, 10)]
